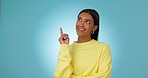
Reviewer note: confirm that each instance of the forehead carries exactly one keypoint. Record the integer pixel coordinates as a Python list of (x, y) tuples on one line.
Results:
[(85, 16)]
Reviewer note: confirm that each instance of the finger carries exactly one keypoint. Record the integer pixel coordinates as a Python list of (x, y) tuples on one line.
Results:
[(64, 36), (61, 31)]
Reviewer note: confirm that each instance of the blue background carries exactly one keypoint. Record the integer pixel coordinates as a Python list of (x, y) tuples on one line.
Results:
[(29, 32)]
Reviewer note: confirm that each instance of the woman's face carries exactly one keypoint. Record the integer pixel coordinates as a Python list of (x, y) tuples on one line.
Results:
[(85, 24)]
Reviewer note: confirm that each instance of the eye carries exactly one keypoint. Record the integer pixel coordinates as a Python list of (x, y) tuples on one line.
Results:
[(88, 22), (79, 19)]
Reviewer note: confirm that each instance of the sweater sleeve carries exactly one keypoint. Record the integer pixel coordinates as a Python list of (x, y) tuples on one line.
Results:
[(64, 68), (105, 65)]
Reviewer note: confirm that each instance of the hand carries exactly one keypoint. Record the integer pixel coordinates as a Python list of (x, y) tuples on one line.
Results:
[(64, 39)]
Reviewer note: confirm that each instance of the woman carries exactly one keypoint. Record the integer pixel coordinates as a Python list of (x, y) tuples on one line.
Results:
[(86, 57)]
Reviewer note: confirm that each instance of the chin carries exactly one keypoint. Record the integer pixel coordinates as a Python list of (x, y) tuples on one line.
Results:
[(80, 34)]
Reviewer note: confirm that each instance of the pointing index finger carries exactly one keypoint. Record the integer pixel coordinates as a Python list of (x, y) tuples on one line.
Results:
[(61, 31)]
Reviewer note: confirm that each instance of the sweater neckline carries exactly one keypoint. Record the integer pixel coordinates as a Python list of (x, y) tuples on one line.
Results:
[(84, 45)]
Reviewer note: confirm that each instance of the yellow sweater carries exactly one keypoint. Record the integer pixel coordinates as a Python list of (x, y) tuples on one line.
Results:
[(90, 59)]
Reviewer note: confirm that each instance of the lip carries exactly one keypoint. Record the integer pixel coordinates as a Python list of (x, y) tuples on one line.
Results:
[(81, 29)]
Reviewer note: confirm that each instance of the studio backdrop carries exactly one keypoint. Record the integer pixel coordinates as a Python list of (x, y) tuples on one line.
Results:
[(29, 32)]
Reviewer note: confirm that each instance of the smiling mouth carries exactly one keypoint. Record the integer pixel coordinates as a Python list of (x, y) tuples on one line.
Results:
[(81, 29)]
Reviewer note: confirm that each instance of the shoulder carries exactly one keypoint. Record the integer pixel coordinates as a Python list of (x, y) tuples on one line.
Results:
[(104, 48), (100, 43), (103, 45)]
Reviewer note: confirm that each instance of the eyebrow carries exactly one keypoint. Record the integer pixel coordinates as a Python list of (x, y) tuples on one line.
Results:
[(88, 19)]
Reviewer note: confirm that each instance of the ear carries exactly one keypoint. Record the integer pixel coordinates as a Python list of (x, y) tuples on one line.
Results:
[(95, 27)]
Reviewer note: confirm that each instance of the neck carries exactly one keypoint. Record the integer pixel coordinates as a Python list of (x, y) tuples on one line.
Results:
[(83, 39)]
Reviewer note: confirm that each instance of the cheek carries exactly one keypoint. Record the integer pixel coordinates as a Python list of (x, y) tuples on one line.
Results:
[(76, 26), (77, 23), (89, 28)]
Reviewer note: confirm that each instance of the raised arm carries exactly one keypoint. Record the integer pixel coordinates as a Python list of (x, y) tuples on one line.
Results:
[(63, 69)]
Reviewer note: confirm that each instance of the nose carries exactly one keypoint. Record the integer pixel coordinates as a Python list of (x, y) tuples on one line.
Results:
[(81, 24)]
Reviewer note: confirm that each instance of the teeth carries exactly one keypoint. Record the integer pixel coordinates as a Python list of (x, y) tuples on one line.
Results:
[(81, 29)]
